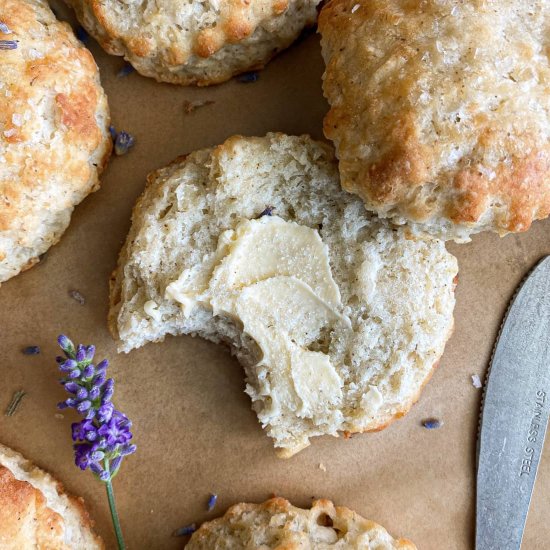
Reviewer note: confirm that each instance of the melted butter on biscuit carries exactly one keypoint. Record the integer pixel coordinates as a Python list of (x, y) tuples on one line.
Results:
[(274, 277)]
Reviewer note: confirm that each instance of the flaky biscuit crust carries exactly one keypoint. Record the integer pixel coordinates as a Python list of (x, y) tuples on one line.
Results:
[(440, 110), (54, 137), (26, 520), (201, 42), (276, 524)]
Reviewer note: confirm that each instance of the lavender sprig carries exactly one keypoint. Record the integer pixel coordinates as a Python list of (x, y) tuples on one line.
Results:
[(102, 438)]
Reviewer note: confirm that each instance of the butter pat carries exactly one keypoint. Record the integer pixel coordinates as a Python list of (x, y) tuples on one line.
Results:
[(274, 277), (271, 247), (284, 317)]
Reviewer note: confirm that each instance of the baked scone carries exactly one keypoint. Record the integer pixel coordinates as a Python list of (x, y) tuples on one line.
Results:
[(276, 524), (198, 41), (337, 317), (54, 137), (36, 513), (440, 110)]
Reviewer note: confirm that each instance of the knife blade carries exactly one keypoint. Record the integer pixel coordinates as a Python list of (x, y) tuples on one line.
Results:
[(514, 415)]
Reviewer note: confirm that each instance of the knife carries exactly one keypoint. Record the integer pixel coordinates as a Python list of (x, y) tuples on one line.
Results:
[(514, 415)]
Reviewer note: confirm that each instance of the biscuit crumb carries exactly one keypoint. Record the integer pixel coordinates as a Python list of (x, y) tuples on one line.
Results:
[(322, 467), (190, 106), (355, 8), (476, 382)]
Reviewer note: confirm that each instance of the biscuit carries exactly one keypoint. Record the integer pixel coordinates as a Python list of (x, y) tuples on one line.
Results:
[(276, 524), (199, 41), (36, 513), (440, 110), (54, 137), (337, 317)]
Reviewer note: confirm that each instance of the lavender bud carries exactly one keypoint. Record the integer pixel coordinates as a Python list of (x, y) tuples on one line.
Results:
[(112, 131), (65, 344), (128, 450), (123, 142), (83, 406), (81, 353), (68, 365), (91, 436), (99, 379), (4, 29), (115, 465), (102, 365), (62, 405), (93, 394), (72, 387), (105, 412), (8, 44), (104, 476), (108, 390), (96, 456), (99, 471), (74, 374), (90, 415), (82, 393), (90, 351), (88, 372), (212, 499)]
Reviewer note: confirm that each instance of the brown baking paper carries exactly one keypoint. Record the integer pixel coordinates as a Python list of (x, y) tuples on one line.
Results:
[(193, 425)]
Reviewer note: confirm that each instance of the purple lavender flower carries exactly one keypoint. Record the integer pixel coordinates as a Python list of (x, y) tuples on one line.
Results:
[(103, 437)]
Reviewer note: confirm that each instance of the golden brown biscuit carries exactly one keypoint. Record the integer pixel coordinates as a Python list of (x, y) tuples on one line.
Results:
[(54, 137), (196, 42), (440, 110), (277, 525), (36, 513)]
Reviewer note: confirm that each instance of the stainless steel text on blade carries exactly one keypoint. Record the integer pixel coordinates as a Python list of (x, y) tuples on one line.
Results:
[(515, 415)]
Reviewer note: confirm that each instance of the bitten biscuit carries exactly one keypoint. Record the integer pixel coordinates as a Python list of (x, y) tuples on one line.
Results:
[(198, 41), (276, 524), (337, 317), (36, 513), (440, 110), (54, 137)]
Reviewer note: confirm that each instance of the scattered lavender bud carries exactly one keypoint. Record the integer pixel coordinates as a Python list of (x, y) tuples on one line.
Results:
[(125, 70), (185, 530), (31, 350), (432, 423), (476, 381), (81, 34), (4, 29), (8, 44), (77, 297), (268, 211), (212, 500), (246, 78), (112, 131), (123, 142)]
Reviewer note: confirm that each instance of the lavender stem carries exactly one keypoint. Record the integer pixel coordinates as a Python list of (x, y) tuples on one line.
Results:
[(114, 513)]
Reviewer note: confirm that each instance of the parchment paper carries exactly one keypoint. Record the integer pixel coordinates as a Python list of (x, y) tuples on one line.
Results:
[(193, 424)]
